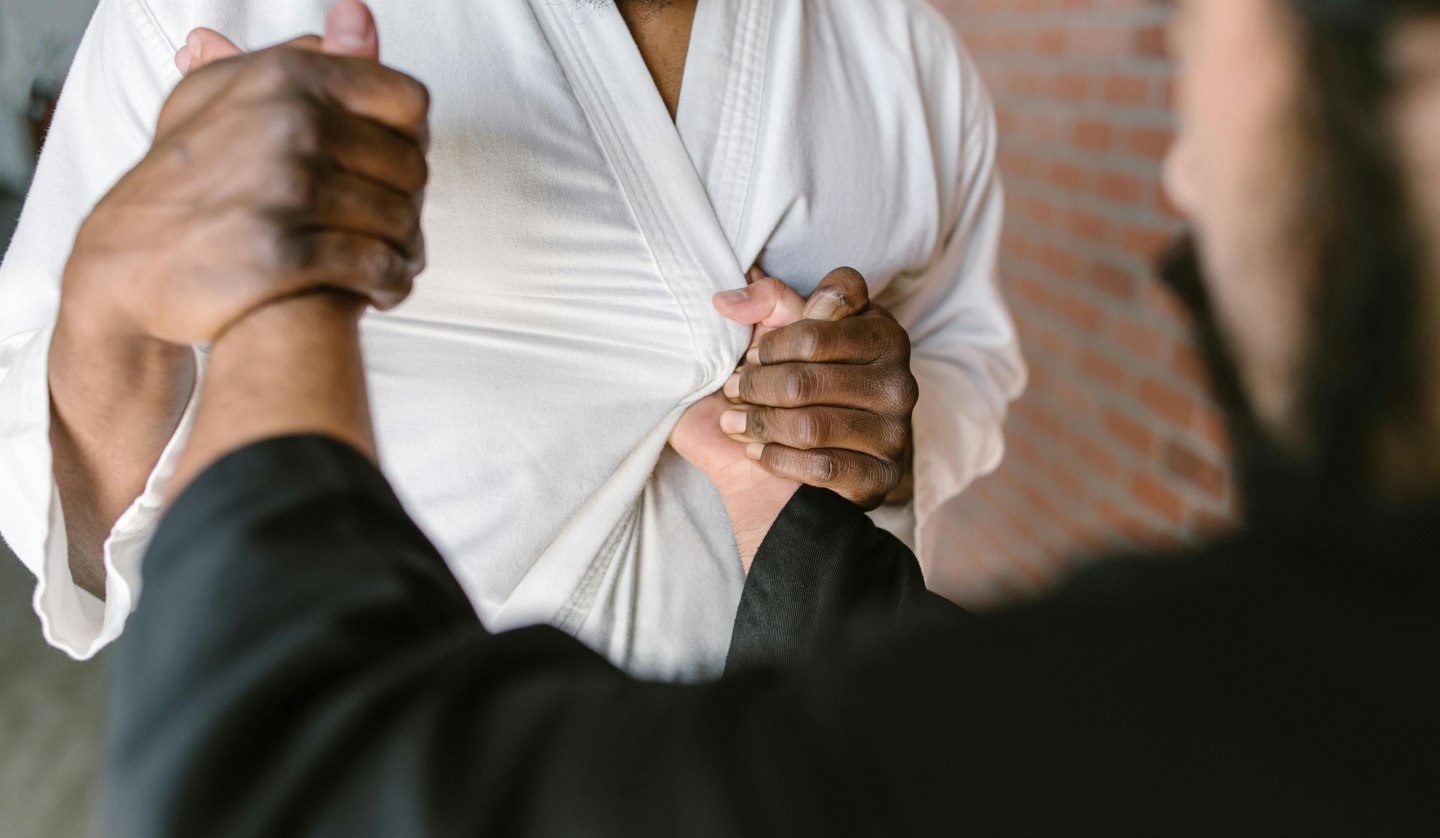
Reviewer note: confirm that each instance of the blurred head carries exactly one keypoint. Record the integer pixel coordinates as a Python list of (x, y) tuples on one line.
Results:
[(1308, 163)]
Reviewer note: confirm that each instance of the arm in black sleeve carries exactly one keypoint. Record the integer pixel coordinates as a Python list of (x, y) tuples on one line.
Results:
[(824, 571), (302, 662)]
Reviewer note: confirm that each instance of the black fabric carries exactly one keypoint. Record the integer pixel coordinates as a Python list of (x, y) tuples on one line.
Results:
[(302, 664), (798, 599)]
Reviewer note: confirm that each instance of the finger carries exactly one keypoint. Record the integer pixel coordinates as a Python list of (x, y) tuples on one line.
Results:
[(209, 73), (369, 149), (765, 302), (340, 261), (859, 478), (204, 47), (373, 91), (842, 293), (824, 385), (350, 30), (754, 275), (807, 428), (350, 203), (872, 337)]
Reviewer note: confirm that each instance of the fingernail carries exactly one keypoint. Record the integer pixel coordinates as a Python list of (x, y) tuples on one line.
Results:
[(755, 450), (753, 356), (196, 45), (734, 298), (183, 60), (732, 386), (823, 305), (733, 421), (754, 274), (351, 24)]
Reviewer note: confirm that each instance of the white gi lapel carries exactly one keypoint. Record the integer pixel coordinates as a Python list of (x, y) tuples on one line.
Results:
[(721, 105), (598, 549), (693, 249)]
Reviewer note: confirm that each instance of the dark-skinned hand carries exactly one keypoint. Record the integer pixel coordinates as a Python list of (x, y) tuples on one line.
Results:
[(827, 400), (272, 173)]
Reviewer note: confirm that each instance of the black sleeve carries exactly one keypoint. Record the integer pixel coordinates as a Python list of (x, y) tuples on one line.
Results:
[(824, 571), (303, 663)]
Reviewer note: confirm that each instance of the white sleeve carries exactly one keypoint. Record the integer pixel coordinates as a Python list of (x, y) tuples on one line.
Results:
[(103, 125), (966, 354)]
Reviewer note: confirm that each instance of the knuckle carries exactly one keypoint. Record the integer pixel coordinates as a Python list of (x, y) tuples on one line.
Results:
[(809, 339), (292, 184), (797, 385), (292, 125), (418, 168), (820, 468), (894, 437), (808, 429), (406, 217), (273, 69), (901, 390), (377, 261), (757, 424), (418, 95), (769, 285)]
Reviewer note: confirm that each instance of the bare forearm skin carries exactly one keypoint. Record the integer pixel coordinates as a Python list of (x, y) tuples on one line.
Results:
[(114, 404), (292, 367)]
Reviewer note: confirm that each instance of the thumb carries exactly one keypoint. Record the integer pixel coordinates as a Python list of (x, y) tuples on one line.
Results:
[(767, 303), (840, 294), (350, 30)]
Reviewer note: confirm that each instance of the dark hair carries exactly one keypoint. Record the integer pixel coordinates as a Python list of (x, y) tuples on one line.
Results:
[(1364, 383)]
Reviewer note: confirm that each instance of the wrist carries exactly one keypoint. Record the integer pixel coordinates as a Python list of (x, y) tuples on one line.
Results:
[(753, 504), (94, 355)]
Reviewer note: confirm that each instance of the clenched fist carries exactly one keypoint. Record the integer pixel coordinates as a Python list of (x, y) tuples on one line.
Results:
[(827, 399), (271, 174)]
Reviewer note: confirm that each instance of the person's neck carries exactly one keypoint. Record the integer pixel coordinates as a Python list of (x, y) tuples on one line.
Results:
[(661, 29)]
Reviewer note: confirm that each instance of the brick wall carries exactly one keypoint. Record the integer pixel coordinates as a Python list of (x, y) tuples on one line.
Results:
[(1116, 444)]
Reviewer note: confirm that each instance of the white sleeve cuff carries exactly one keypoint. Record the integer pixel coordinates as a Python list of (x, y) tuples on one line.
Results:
[(33, 522), (958, 431)]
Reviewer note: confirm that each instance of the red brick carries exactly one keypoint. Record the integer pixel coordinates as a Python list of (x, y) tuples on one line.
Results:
[(1101, 369), (1127, 91), (1123, 189), (1151, 42), (1083, 135), (1080, 314), (1139, 339), (1094, 135), (1167, 402), (1158, 498), (1195, 470), (1113, 281), (1150, 143), (1146, 243)]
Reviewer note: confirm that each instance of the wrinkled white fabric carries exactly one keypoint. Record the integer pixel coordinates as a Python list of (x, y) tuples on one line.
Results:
[(523, 395)]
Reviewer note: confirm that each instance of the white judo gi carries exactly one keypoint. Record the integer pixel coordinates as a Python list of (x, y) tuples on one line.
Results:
[(523, 395)]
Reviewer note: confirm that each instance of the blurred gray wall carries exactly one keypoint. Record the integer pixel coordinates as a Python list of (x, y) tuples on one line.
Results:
[(51, 719), (51, 708), (37, 43)]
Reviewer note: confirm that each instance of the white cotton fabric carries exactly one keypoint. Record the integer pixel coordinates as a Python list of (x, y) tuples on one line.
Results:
[(523, 396)]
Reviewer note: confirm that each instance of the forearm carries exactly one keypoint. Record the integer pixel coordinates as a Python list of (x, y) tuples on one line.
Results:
[(293, 367), (114, 404)]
